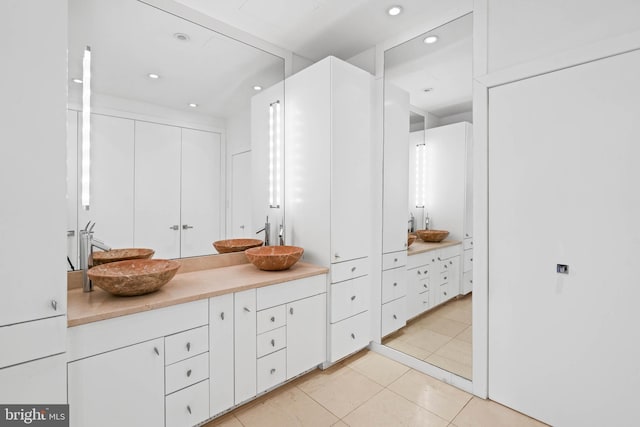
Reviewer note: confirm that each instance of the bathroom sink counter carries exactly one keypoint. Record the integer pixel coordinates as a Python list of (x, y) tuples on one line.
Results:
[(419, 246), (186, 286)]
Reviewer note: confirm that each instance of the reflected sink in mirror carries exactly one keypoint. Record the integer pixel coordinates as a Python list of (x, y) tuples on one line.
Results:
[(133, 277), (236, 245), (124, 254), (432, 235), (274, 258), (410, 239)]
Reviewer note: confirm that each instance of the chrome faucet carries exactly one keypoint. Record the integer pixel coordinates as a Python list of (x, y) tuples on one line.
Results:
[(281, 235), (87, 243), (267, 232)]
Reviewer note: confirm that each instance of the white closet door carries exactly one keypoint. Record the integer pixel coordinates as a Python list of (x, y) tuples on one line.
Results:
[(72, 187), (563, 189), (111, 206), (241, 196), (201, 223), (157, 188)]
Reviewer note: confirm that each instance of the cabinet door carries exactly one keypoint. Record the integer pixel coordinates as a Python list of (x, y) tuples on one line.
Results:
[(157, 188), (123, 387), (72, 187), (201, 215), (306, 334), (240, 196), (43, 380), (468, 187), (221, 353), (245, 345)]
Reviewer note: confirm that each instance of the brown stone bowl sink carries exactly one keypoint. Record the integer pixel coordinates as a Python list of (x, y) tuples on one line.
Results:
[(274, 258), (133, 277), (410, 239), (124, 254), (236, 245), (432, 235)]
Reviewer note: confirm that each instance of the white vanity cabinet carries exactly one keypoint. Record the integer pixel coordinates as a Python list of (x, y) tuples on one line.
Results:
[(245, 349), (221, 351)]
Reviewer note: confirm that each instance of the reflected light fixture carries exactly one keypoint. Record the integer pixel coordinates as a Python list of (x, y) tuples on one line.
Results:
[(86, 129), (431, 39), (77, 80), (193, 105), (394, 10), (421, 160), (153, 76), (257, 88), (274, 154)]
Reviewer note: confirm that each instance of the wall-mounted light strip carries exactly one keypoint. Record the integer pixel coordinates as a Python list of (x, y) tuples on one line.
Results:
[(275, 155), (421, 161), (86, 129)]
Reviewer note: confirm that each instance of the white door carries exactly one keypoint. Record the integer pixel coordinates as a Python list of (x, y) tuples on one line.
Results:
[(221, 353), (306, 334), (157, 188), (468, 187), (119, 388), (563, 189), (202, 201), (241, 196), (72, 189)]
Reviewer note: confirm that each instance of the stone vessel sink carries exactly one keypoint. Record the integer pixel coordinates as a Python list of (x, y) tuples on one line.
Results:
[(133, 277), (274, 258), (432, 235), (124, 254), (236, 245), (410, 239)]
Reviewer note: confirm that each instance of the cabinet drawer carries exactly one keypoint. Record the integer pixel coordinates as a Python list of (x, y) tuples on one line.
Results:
[(394, 284), (271, 318), (186, 344), (421, 273), (450, 251), (468, 244), (417, 304), (468, 260), (423, 258), (422, 285), (187, 372), (271, 341), (32, 340), (394, 316), (444, 293), (271, 370), (349, 298), (271, 296), (467, 282), (445, 277), (394, 259), (350, 335), (189, 406), (349, 269)]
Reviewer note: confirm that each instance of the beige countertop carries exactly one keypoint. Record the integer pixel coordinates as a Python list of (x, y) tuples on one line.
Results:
[(419, 246), (184, 287)]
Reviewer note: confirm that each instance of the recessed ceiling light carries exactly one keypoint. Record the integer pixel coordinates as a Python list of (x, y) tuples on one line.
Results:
[(182, 37), (77, 80), (193, 105), (257, 88), (153, 76), (428, 89), (394, 10), (430, 39)]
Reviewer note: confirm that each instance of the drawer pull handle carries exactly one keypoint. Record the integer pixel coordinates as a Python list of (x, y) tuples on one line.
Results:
[(419, 272), (273, 343), (466, 234), (426, 272), (424, 302), (189, 373), (189, 408), (188, 346), (445, 293), (446, 266), (353, 269), (291, 310), (155, 349), (353, 335), (471, 281), (273, 371), (445, 277), (222, 315), (353, 297), (439, 259), (395, 317), (336, 255), (247, 310), (451, 262), (471, 259), (424, 286), (273, 318), (395, 283), (54, 304), (471, 243), (395, 260)]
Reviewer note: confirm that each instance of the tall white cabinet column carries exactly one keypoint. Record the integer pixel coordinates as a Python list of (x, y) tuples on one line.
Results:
[(328, 122)]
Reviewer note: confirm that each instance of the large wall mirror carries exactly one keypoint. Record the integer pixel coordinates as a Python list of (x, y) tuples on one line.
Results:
[(430, 78), (150, 169)]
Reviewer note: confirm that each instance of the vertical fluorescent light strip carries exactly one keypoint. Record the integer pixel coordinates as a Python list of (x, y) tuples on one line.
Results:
[(86, 128), (278, 155), (275, 155), (271, 143), (421, 154)]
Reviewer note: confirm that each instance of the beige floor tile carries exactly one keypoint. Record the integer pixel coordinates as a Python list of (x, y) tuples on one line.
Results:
[(461, 369), (382, 370), (485, 413), (457, 350), (444, 326), (459, 314), (340, 424), (424, 338), (341, 390), (228, 420), (440, 398), (389, 409), (289, 407), (408, 348), (465, 335)]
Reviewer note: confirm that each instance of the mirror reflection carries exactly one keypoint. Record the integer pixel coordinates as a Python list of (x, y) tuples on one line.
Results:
[(433, 74), (170, 101)]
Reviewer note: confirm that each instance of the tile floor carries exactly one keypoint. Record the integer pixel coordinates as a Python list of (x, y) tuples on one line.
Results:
[(367, 390), (441, 336)]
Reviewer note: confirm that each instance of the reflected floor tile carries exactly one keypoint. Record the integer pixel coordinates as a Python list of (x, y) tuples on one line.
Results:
[(424, 338), (380, 369), (461, 369), (444, 326), (340, 391), (389, 409), (442, 399), (485, 413), (289, 407), (228, 420), (466, 335), (408, 348), (457, 350)]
